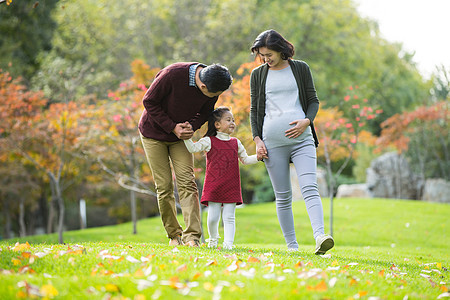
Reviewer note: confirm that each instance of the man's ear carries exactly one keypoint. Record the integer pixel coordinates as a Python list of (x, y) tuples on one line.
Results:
[(203, 86)]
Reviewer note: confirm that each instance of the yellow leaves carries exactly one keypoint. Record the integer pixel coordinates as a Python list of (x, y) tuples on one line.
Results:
[(208, 286), (21, 247), (139, 297), (320, 287), (16, 262), (112, 288), (139, 273), (439, 266), (252, 259), (48, 291), (299, 264)]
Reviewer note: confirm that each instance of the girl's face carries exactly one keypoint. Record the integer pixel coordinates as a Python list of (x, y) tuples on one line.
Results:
[(226, 123), (272, 58)]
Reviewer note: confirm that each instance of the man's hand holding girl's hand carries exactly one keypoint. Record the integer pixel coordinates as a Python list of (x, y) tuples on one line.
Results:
[(183, 131)]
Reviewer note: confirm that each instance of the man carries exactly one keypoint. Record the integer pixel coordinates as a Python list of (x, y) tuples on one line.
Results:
[(178, 103)]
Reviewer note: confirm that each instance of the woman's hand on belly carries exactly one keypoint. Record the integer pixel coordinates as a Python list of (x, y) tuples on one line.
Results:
[(299, 127)]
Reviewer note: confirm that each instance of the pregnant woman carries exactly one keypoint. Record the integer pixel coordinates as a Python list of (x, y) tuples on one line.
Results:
[(283, 107)]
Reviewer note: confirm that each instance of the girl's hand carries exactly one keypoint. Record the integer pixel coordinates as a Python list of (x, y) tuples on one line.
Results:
[(261, 151), (299, 127)]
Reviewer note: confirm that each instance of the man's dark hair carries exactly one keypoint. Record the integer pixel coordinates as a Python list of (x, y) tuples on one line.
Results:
[(272, 40), (216, 77)]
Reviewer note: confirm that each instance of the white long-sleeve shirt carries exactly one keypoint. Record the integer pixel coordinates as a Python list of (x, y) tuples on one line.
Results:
[(204, 144)]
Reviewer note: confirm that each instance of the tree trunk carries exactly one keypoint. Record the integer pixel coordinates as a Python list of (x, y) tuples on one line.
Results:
[(51, 216), (61, 215), (6, 213), (22, 230), (133, 211)]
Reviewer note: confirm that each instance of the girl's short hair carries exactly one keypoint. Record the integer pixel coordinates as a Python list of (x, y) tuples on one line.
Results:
[(272, 40), (214, 117)]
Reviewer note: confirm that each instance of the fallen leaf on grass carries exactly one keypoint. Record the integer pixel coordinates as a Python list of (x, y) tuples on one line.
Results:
[(233, 267), (112, 288), (28, 290), (299, 264), (362, 293), (253, 259), (208, 286), (16, 262), (211, 263), (139, 297), (353, 281), (182, 268), (320, 287), (132, 259), (139, 273), (381, 273), (26, 269), (143, 284), (443, 288), (332, 282), (20, 247), (48, 291), (394, 268)]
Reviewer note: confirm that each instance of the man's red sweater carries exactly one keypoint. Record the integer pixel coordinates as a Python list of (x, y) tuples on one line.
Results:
[(170, 100)]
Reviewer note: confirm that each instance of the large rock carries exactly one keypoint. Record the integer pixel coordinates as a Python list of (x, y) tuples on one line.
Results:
[(389, 176), (353, 190), (436, 190)]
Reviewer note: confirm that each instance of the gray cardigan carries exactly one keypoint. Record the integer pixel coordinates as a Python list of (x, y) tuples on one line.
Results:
[(306, 90)]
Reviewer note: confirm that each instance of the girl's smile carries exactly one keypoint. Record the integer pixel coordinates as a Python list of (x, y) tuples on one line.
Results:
[(226, 123)]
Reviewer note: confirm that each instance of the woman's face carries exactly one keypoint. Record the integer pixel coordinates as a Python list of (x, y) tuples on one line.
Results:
[(272, 58)]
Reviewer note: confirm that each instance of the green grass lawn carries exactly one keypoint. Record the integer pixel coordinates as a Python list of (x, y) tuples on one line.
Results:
[(385, 249)]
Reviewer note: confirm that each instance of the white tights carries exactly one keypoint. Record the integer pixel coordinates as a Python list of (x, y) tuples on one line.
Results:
[(229, 227)]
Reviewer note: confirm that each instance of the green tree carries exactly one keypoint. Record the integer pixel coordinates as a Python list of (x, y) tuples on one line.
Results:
[(26, 29)]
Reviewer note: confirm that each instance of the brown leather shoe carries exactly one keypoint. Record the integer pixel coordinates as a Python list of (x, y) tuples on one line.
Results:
[(193, 243), (176, 241)]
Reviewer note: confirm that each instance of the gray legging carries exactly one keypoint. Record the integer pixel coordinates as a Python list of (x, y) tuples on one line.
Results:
[(303, 155)]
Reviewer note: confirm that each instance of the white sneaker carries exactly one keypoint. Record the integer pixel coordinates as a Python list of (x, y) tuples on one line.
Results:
[(324, 242), (228, 247), (212, 243)]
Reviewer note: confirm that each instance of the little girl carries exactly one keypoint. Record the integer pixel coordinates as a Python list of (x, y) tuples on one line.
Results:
[(222, 185)]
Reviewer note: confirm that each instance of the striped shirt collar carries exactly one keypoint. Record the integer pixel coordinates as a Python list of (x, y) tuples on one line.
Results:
[(192, 70)]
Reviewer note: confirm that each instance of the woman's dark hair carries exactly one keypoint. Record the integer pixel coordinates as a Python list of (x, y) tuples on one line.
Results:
[(214, 117), (272, 40), (216, 77)]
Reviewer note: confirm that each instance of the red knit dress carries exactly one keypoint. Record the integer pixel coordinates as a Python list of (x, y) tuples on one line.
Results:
[(222, 179)]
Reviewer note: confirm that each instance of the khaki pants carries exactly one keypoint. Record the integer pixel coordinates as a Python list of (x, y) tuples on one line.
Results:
[(160, 156)]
